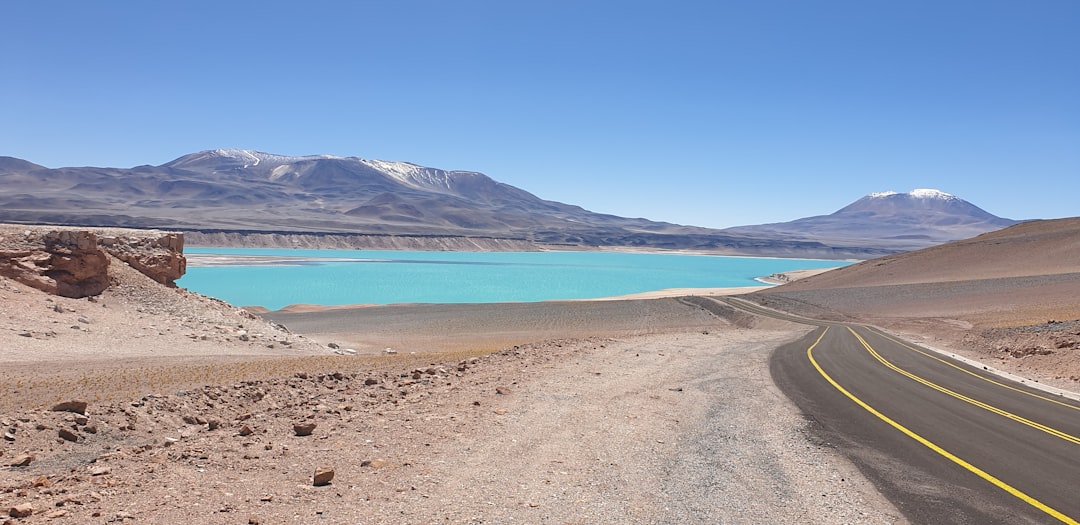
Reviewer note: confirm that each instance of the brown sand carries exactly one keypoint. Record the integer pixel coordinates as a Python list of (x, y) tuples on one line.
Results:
[(639, 411)]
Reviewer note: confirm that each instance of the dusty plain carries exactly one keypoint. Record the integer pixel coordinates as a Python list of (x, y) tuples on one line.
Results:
[(1009, 299), (625, 411), (655, 410)]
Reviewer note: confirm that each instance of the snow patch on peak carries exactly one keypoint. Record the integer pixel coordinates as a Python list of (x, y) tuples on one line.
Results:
[(253, 158), (918, 194), (403, 171), (931, 194), (411, 174)]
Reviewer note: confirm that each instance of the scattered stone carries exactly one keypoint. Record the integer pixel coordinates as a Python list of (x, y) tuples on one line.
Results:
[(75, 405), (212, 424), (373, 463), (304, 429), (22, 460), (323, 476), (68, 435), (246, 431), (21, 511), (371, 381), (90, 429), (8, 436), (41, 481), (81, 420), (59, 513), (502, 390), (100, 471)]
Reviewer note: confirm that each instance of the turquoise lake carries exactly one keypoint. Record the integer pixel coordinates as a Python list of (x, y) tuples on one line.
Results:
[(386, 277)]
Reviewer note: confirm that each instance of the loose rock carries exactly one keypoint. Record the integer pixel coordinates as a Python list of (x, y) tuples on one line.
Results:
[(304, 429), (322, 476), (75, 405), (21, 511)]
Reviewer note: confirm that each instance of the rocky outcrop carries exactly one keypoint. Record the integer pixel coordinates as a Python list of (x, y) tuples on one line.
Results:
[(160, 257), (74, 263), (66, 263)]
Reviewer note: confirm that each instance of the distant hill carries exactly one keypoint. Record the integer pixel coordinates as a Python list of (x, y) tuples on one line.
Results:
[(900, 221), (1043, 247), (229, 190)]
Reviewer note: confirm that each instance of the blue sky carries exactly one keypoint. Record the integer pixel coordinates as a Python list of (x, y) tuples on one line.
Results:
[(709, 113)]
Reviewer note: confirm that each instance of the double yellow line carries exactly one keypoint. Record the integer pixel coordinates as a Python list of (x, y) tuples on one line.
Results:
[(1003, 413), (973, 374), (925, 442)]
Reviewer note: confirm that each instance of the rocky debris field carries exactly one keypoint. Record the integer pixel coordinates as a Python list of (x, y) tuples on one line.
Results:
[(645, 430), (1051, 348), (249, 452)]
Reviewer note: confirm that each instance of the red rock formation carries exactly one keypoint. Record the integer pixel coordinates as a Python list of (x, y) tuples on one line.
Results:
[(159, 258), (74, 263), (63, 262)]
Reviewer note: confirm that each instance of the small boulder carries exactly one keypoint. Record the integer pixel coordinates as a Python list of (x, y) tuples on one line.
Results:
[(22, 460), (75, 405), (68, 435), (304, 429), (323, 476), (21, 511)]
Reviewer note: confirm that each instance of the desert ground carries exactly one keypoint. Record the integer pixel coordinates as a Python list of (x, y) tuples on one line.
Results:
[(1007, 299), (149, 404), (639, 410)]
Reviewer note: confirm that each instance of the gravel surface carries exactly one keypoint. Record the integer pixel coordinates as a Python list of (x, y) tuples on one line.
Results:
[(672, 428), (193, 407)]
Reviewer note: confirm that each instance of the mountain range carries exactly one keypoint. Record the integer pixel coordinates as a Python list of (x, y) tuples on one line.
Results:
[(230, 190)]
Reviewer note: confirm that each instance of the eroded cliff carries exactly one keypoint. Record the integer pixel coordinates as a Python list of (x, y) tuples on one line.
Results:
[(74, 262)]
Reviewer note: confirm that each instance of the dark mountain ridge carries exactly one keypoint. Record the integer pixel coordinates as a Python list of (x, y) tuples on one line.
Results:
[(230, 190)]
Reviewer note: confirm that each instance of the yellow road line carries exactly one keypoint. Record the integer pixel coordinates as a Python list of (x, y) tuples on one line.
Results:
[(1003, 413), (928, 444), (966, 371)]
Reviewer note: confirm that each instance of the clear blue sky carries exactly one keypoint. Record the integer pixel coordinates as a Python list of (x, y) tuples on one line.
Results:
[(710, 113)]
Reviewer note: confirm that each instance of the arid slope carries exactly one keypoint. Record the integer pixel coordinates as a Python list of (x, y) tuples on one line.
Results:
[(1011, 297)]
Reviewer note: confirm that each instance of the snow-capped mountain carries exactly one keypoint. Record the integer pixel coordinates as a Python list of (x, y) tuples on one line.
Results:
[(234, 190), (917, 219)]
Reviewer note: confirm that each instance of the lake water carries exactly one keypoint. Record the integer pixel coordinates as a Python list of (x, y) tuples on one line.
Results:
[(336, 277)]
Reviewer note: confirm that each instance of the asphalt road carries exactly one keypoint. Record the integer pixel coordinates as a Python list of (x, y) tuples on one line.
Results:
[(945, 441)]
